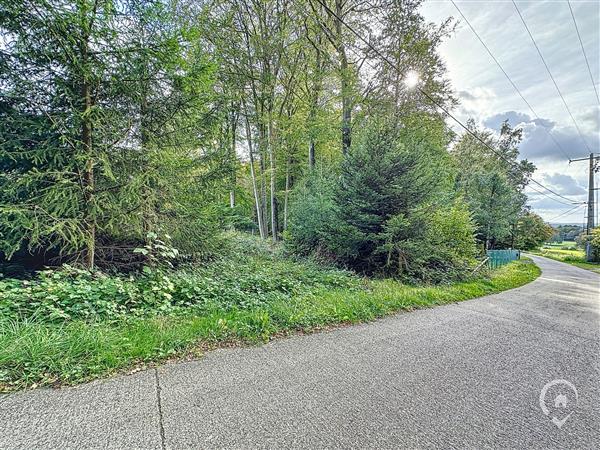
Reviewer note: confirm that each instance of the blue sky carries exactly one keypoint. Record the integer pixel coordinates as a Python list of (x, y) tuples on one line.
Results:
[(487, 95)]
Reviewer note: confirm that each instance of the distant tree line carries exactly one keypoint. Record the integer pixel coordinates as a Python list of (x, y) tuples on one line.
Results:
[(566, 233)]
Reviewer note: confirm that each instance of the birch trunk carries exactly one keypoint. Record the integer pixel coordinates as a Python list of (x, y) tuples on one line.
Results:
[(272, 180), (257, 203)]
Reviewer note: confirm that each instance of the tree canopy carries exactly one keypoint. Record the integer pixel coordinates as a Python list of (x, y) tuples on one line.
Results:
[(121, 120)]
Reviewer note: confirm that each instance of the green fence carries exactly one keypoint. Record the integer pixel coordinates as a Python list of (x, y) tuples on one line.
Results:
[(498, 258)]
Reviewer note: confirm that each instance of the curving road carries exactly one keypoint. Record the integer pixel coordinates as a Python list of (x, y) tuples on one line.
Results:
[(463, 375)]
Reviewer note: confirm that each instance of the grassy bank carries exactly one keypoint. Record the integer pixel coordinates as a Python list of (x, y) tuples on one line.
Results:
[(34, 352), (568, 254)]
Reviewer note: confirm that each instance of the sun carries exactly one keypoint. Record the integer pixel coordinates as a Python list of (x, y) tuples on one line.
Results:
[(411, 80)]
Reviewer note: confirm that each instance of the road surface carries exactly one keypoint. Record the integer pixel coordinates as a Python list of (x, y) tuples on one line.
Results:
[(463, 375)]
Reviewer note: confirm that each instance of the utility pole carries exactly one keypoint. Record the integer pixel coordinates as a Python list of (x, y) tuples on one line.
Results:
[(591, 215), (590, 203)]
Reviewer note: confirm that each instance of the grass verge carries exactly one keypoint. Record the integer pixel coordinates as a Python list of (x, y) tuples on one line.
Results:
[(575, 257), (34, 354)]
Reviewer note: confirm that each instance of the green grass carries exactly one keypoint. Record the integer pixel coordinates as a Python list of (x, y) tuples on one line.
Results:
[(33, 353), (562, 245), (567, 254)]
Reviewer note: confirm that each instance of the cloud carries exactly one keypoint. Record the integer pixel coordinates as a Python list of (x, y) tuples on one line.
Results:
[(487, 96), (516, 118), (465, 95), (564, 184), (592, 117), (476, 101), (542, 138)]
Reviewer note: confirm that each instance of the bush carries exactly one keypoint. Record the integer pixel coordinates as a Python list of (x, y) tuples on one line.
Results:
[(594, 240), (312, 214), (247, 277), (387, 213)]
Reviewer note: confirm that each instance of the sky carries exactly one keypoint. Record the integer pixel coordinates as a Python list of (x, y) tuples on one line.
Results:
[(487, 96)]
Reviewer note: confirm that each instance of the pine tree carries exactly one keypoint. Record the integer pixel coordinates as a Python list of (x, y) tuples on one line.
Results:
[(103, 108)]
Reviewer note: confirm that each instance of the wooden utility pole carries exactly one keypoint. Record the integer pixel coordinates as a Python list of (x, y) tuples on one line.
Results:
[(593, 160)]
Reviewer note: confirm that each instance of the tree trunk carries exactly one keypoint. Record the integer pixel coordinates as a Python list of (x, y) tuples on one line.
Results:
[(272, 179), (86, 140), (259, 213), (314, 104), (345, 80), (233, 130), (149, 208), (287, 190), (263, 178)]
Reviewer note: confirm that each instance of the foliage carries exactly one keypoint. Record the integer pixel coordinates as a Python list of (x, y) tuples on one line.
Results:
[(124, 119), (158, 252), (594, 240), (105, 117), (386, 213), (312, 213), (492, 183), (410, 43), (531, 231), (242, 279), (36, 353), (566, 233)]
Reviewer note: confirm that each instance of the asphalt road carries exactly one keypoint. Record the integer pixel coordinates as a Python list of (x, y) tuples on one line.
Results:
[(463, 375)]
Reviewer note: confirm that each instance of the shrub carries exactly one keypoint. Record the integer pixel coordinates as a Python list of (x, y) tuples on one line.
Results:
[(595, 244), (386, 213), (312, 214), (241, 280)]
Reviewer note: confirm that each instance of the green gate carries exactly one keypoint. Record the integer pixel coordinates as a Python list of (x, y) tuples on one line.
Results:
[(498, 258)]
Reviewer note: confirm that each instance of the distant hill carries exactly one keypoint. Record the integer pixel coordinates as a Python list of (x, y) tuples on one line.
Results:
[(557, 224)]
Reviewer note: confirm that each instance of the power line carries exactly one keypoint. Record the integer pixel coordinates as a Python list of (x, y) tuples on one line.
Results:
[(510, 80), (500, 155), (551, 76), (393, 66), (564, 213), (583, 51), (571, 202), (493, 150)]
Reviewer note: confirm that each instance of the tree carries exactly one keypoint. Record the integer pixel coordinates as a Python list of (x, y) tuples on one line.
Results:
[(392, 182), (594, 240), (531, 231), (332, 16), (102, 103), (492, 182), (402, 34), (256, 46)]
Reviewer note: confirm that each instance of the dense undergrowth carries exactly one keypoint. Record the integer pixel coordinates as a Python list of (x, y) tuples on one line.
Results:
[(70, 326), (249, 274)]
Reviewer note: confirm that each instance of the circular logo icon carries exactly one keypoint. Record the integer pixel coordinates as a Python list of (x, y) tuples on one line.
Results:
[(558, 400)]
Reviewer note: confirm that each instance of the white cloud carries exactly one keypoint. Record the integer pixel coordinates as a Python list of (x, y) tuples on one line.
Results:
[(476, 101), (564, 184)]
